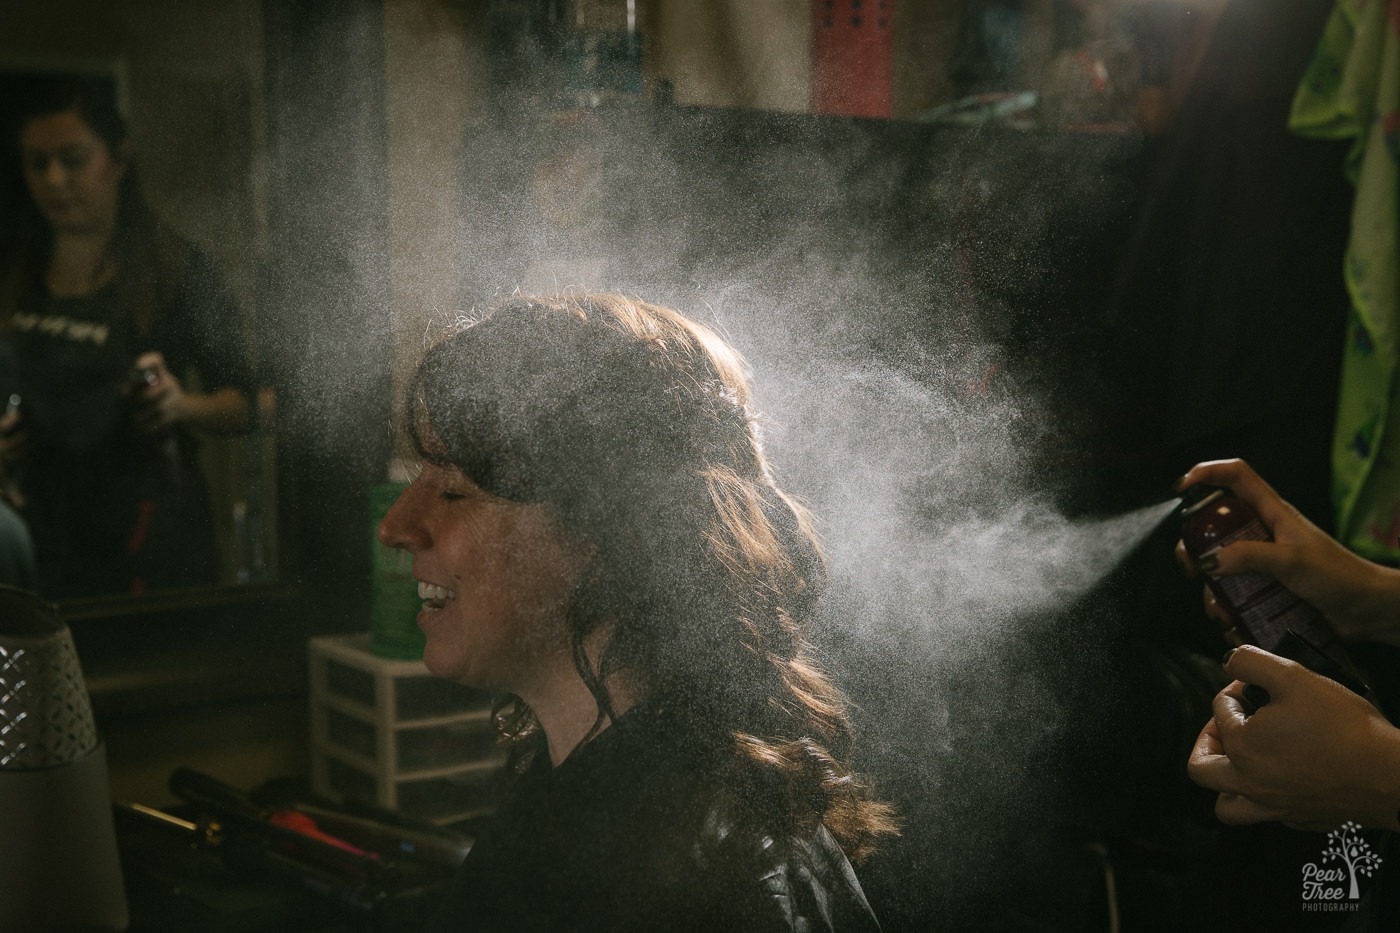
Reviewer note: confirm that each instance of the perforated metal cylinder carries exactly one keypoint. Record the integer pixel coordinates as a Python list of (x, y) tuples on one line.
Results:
[(45, 715)]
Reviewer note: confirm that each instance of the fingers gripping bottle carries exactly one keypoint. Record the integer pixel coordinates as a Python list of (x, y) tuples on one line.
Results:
[(1263, 610)]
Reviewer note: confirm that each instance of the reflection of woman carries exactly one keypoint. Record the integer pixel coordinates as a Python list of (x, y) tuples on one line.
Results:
[(104, 311), (596, 534)]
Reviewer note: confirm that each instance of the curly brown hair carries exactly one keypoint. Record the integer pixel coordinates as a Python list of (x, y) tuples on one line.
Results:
[(634, 423)]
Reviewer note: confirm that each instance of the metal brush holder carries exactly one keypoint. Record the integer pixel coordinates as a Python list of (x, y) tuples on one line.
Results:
[(59, 867)]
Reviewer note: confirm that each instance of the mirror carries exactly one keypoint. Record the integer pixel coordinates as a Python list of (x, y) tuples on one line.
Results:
[(186, 88)]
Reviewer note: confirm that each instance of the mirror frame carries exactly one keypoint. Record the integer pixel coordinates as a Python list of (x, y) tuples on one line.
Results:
[(253, 558)]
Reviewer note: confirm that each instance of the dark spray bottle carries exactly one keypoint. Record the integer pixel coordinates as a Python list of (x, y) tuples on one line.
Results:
[(160, 486), (1263, 610)]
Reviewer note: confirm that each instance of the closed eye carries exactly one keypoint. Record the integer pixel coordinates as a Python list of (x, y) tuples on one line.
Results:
[(452, 485)]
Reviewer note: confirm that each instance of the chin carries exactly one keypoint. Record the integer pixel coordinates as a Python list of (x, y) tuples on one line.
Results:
[(436, 665), (448, 663)]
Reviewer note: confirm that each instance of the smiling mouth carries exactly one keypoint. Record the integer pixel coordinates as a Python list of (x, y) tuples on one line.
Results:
[(434, 597)]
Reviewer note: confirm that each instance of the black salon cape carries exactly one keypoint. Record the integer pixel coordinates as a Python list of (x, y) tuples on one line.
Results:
[(640, 830)]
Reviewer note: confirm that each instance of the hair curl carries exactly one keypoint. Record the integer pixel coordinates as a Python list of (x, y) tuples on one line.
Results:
[(634, 423)]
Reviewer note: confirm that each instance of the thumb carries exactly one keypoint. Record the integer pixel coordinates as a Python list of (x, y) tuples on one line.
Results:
[(1254, 665), (153, 359)]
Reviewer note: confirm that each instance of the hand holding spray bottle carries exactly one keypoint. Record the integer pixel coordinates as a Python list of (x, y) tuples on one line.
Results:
[(1263, 610)]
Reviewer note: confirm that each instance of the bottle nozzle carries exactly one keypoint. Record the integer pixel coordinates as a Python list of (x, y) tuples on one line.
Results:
[(1197, 495)]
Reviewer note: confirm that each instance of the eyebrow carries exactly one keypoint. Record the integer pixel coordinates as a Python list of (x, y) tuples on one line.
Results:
[(65, 149)]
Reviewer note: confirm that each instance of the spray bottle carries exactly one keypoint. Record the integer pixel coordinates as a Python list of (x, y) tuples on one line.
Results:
[(1263, 610)]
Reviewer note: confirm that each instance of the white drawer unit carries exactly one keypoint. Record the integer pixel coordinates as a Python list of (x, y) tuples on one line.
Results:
[(386, 732)]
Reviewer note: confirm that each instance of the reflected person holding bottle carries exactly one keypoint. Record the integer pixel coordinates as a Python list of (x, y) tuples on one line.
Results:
[(107, 314)]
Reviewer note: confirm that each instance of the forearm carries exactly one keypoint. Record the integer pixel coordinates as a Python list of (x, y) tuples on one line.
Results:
[(1377, 788), (1372, 610), (223, 411)]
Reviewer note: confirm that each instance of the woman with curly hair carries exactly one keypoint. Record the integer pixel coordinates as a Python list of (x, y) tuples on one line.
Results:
[(596, 535)]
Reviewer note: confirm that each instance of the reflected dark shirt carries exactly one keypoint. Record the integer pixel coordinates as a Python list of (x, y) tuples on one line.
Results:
[(112, 510)]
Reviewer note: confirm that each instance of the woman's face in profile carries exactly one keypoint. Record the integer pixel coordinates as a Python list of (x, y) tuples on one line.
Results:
[(496, 578), (72, 174)]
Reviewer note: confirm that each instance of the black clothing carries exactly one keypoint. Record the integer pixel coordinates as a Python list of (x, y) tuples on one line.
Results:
[(645, 829), (113, 510), (17, 567), (1230, 313)]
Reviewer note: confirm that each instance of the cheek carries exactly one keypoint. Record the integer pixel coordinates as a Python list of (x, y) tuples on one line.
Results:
[(105, 184), (544, 576), (523, 619)]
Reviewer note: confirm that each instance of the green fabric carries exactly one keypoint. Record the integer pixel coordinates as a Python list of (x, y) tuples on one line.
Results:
[(1352, 90)]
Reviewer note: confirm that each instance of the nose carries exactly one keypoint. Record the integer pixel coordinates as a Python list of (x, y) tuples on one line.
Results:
[(54, 174), (402, 526)]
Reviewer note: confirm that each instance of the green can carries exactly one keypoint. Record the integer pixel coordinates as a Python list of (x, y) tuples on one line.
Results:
[(394, 602)]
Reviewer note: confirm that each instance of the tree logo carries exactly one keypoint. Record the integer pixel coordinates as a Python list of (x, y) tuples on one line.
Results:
[(1335, 883)]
